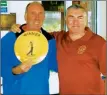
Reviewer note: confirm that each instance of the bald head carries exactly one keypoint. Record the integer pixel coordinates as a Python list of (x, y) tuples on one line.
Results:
[(34, 3)]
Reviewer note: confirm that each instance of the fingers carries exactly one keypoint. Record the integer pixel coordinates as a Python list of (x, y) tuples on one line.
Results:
[(28, 62), (25, 68), (26, 65), (15, 28)]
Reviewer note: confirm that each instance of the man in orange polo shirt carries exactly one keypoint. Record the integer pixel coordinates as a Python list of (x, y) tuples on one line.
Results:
[(81, 56)]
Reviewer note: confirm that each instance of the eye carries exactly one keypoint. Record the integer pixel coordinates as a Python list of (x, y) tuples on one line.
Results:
[(70, 17), (81, 17)]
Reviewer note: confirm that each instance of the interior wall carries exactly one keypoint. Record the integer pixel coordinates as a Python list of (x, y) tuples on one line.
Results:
[(101, 18)]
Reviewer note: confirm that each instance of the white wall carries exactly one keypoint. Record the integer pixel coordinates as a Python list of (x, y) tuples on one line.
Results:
[(101, 18), (18, 7)]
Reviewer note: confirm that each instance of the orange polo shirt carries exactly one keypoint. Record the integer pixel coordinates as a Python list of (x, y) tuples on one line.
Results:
[(80, 63)]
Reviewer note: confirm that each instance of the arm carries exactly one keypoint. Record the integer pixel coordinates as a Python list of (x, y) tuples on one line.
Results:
[(56, 33), (17, 70), (52, 56), (23, 67), (102, 60), (8, 61), (102, 63), (8, 58), (15, 28)]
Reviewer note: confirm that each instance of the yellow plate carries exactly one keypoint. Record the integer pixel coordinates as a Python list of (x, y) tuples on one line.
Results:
[(31, 45)]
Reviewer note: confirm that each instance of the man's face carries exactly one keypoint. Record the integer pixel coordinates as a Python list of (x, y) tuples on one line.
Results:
[(76, 20), (35, 16)]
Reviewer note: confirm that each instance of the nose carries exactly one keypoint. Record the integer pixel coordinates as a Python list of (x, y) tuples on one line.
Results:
[(75, 21), (36, 17)]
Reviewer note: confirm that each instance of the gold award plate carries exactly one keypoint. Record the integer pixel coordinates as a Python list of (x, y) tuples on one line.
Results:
[(31, 45)]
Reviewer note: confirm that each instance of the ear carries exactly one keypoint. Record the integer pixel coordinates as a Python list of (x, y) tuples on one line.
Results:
[(86, 20), (25, 16), (44, 17)]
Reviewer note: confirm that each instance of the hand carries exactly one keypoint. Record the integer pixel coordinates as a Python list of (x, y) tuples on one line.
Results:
[(15, 28), (26, 65), (23, 67)]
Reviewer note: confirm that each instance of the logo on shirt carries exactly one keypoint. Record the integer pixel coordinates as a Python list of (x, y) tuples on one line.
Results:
[(82, 49)]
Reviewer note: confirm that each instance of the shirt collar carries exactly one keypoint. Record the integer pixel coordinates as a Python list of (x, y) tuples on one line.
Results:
[(87, 35), (45, 33)]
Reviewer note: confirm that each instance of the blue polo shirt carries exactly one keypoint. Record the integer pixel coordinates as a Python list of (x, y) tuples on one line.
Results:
[(36, 80)]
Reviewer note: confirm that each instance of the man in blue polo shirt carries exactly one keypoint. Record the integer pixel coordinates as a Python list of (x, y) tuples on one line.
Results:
[(32, 79)]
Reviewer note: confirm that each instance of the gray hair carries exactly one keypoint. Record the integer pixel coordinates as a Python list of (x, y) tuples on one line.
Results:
[(76, 6)]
